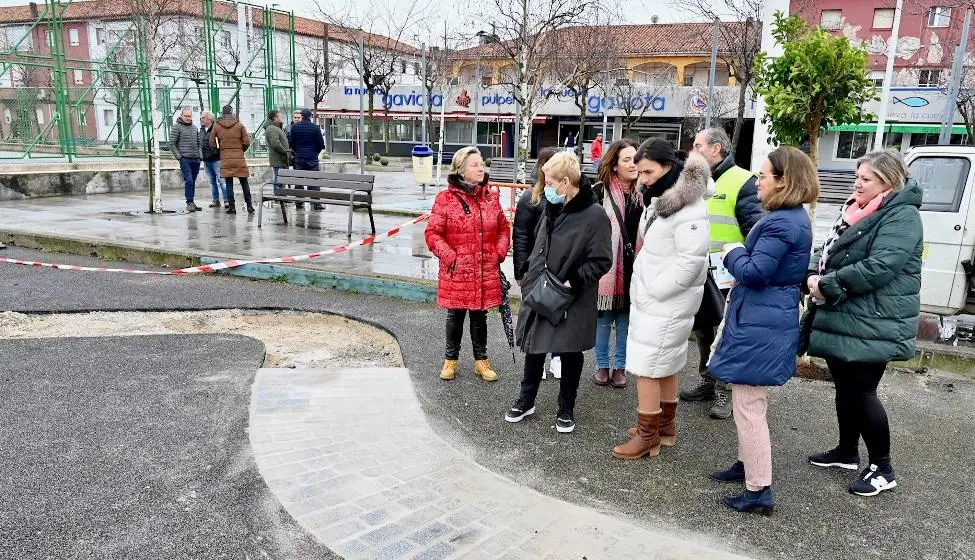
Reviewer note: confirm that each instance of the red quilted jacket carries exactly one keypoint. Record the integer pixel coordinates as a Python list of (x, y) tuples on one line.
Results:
[(470, 239)]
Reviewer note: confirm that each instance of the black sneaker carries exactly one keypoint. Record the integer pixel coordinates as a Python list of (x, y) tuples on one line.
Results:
[(871, 482), (703, 391), (518, 413), (833, 458), (565, 423)]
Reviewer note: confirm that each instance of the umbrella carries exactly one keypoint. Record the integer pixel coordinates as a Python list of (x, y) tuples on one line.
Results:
[(506, 320)]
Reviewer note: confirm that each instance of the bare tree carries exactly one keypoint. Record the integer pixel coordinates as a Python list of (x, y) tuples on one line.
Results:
[(740, 39), (25, 81), (524, 32), (635, 97), (316, 68), (966, 101), (586, 55), (383, 29)]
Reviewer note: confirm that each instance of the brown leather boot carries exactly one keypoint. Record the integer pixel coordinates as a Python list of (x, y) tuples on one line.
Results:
[(484, 369), (449, 371), (668, 423), (646, 442), (619, 378), (602, 376)]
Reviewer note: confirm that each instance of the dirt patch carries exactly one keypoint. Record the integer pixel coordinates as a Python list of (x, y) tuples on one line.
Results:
[(291, 339), (812, 370)]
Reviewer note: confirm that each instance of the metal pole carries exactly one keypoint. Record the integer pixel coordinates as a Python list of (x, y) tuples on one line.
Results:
[(957, 69), (603, 105), (878, 140), (426, 98), (477, 101), (711, 74), (517, 139), (362, 107)]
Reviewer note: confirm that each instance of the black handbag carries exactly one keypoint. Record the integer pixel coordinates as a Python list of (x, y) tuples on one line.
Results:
[(549, 297), (805, 327), (711, 312)]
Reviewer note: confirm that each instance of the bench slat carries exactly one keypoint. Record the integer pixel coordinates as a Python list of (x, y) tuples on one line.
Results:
[(287, 194), (322, 175)]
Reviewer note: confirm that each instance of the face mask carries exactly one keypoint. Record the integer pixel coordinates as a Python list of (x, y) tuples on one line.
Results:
[(553, 196)]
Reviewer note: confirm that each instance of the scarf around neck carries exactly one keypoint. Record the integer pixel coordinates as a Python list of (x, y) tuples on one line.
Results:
[(612, 286), (851, 214)]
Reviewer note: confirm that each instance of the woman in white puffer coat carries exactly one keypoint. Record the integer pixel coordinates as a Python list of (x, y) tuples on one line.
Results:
[(666, 291)]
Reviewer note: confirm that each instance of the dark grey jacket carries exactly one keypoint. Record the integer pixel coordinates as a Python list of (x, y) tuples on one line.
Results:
[(209, 154), (184, 140), (580, 253)]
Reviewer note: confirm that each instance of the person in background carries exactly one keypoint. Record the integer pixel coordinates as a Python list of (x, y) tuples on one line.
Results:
[(528, 213), (307, 142), (278, 151), (734, 210), (668, 284), (573, 244), (184, 142), (469, 234), (616, 191), (867, 282), (230, 138), (211, 162), (758, 344), (596, 150)]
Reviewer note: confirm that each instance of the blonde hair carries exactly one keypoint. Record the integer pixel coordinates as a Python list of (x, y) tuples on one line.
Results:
[(539, 188), (800, 181), (563, 165), (459, 163), (888, 166)]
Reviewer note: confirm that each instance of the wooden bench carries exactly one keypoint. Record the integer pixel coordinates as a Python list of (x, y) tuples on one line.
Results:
[(344, 189), (835, 185)]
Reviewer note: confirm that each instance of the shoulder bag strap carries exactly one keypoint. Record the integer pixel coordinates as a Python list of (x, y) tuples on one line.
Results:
[(627, 245)]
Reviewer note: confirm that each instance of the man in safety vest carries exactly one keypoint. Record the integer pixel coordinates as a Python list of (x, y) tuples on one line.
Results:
[(734, 210)]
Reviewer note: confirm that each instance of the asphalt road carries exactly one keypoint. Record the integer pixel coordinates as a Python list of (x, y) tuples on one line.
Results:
[(930, 515)]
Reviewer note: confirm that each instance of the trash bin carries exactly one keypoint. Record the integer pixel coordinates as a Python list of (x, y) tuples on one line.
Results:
[(423, 165)]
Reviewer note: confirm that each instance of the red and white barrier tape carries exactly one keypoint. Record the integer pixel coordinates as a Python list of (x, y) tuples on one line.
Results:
[(368, 240)]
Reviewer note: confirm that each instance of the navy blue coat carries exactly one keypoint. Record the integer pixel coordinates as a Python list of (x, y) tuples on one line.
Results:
[(761, 329), (306, 141)]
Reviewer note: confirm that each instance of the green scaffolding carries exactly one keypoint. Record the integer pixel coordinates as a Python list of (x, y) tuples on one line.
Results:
[(49, 98)]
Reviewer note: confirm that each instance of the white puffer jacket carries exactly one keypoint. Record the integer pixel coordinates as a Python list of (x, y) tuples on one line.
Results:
[(669, 274)]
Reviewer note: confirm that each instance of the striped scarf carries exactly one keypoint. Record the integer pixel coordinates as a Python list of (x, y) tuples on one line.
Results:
[(851, 214), (612, 292)]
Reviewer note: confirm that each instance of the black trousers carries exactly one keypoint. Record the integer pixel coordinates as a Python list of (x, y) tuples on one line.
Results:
[(572, 363), (455, 332), (859, 411), (244, 185), (705, 338)]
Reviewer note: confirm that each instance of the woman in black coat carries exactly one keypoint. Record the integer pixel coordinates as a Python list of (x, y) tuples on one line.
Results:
[(531, 205), (575, 245)]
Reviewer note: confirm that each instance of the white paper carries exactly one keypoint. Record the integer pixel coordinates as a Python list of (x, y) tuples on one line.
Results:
[(722, 277)]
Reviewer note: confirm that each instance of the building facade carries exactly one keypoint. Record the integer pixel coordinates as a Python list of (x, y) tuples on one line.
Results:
[(929, 32)]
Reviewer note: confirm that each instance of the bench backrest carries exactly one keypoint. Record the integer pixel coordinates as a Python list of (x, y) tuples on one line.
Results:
[(835, 186), (332, 181)]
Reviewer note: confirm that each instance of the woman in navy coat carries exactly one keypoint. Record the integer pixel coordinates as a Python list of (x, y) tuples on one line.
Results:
[(758, 344)]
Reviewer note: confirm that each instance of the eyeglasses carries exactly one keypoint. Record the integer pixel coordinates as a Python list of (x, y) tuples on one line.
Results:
[(764, 176)]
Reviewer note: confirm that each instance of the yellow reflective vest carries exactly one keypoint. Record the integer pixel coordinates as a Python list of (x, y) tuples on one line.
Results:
[(721, 207)]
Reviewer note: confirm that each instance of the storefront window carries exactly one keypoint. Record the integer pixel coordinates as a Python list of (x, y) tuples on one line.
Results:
[(458, 132), (932, 139), (343, 129), (403, 131), (853, 145)]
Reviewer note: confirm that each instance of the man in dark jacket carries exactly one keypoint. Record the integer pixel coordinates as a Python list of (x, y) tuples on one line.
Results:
[(734, 210), (278, 152), (184, 142), (211, 161), (307, 142)]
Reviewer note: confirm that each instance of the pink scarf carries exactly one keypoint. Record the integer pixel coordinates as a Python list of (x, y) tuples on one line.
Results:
[(855, 213), (851, 214), (611, 285)]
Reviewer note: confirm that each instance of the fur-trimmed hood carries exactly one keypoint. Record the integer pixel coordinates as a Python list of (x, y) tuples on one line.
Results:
[(694, 184)]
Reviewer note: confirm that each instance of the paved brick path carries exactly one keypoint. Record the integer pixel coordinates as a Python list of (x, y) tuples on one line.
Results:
[(350, 455)]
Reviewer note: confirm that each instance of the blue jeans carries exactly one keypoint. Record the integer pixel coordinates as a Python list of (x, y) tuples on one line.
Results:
[(603, 327), (217, 184), (190, 169), (274, 175)]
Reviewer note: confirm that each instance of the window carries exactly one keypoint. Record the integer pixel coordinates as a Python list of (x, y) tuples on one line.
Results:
[(831, 19), (688, 80), (82, 118), (939, 16), (225, 39), (100, 35), (853, 145), (932, 139), (79, 77), (6, 115), (108, 117), (402, 131), (402, 67), (40, 115), (943, 181), (416, 68), (74, 37), (343, 129), (458, 132), (878, 82), (929, 78), (883, 18)]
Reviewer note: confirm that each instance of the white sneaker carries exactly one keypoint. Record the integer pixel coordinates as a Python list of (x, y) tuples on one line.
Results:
[(555, 367)]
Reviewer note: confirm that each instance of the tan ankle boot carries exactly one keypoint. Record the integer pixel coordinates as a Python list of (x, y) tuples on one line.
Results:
[(483, 368), (668, 423), (449, 371), (645, 442)]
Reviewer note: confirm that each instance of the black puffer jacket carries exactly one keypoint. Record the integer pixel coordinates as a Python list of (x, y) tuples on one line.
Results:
[(527, 216)]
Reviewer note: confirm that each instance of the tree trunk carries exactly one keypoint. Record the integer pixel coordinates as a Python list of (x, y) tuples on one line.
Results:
[(386, 131), (740, 118), (369, 123), (157, 205), (814, 156), (580, 151)]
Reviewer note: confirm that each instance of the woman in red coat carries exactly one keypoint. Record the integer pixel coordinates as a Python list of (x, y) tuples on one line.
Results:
[(469, 233)]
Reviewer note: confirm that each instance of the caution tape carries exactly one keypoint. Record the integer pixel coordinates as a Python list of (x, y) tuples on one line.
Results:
[(234, 263)]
